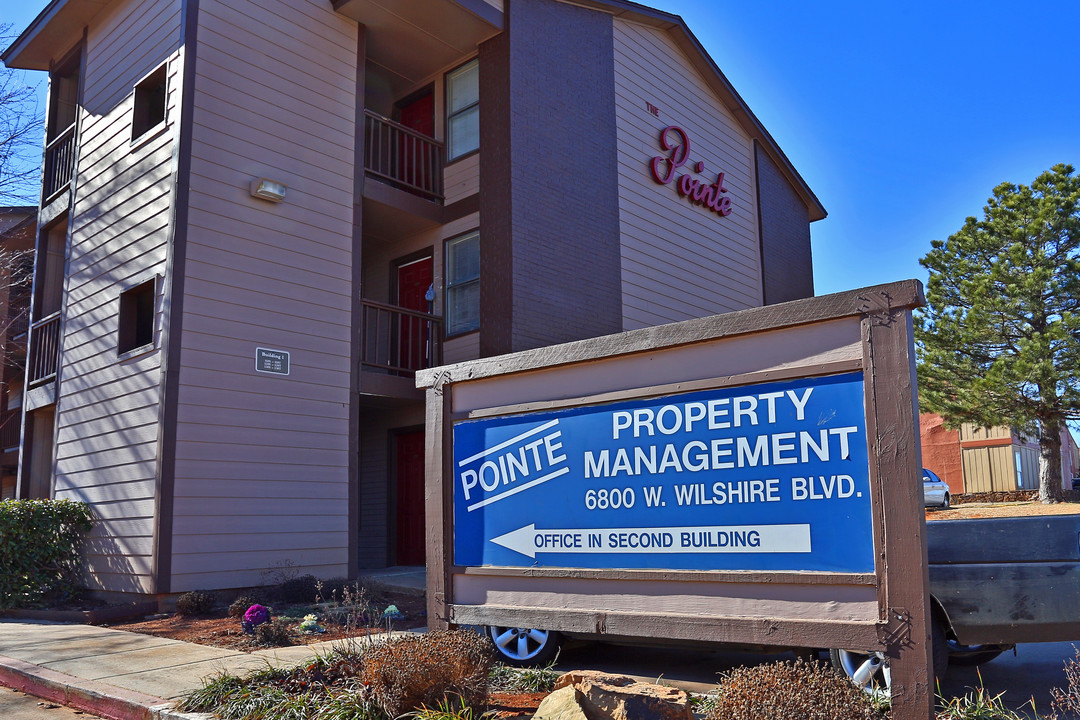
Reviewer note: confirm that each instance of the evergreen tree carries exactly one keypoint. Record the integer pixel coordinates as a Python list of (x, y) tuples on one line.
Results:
[(999, 340)]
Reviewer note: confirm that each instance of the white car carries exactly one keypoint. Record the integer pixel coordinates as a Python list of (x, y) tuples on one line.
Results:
[(935, 490)]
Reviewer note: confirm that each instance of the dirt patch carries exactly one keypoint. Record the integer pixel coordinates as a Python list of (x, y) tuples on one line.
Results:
[(509, 706), (220, 630), (999, 510)]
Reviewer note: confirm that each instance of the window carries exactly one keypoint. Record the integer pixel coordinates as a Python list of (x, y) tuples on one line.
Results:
[(136, 326), (149, 104), (463, 284), (463, 110)]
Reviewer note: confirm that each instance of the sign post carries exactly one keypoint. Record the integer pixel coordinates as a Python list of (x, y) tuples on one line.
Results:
[(750, 478)]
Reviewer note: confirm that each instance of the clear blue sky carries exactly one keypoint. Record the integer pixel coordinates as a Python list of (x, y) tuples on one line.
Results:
[(901, 116)]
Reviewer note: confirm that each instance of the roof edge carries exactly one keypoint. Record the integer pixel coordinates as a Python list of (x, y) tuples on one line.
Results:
[(10, 56)]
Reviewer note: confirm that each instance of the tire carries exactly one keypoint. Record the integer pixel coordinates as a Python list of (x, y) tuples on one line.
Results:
[(524, 647), (945, 504), (870, 671), (970, 655)]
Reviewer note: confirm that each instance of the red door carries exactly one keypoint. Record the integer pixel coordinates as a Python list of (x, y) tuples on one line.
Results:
[(410, 498), (413, 281), (416, 160)]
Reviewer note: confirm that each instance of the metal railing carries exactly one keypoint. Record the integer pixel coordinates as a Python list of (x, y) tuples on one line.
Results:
[(10, 427), (403, 157), (399, 340), (59, 164), (44, 350)]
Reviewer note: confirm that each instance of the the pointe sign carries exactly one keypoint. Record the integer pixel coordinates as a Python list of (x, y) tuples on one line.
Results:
[(699, 191)]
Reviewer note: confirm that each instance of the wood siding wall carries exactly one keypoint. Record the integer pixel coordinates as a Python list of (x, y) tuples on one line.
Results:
[(262, 461), (107, 409), (679, 260)]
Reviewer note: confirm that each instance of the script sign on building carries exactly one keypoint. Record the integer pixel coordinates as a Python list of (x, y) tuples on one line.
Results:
[(763, 477)]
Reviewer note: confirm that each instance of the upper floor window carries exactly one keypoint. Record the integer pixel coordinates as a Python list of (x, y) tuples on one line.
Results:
[(64, 95), (136, 321), (463, 284), (463, 110), (149, 103)]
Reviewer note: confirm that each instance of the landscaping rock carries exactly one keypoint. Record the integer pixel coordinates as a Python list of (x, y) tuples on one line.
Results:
[(563, 704), (617, 697)]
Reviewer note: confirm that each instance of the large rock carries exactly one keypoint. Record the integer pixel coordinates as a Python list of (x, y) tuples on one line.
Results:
[(563, 704), (617, 697)]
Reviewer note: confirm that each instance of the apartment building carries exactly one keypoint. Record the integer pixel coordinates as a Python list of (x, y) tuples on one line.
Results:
[(260, 217)]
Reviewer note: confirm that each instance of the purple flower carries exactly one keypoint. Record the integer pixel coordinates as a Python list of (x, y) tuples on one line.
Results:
[(256, 615)]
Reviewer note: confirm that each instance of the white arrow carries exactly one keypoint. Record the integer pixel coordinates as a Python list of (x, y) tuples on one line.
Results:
[(691, 539)]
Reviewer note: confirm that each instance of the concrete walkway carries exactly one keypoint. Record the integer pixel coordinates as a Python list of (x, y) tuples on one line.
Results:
[(118, 674)]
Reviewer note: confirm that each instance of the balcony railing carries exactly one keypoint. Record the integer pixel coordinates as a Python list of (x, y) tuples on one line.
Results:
[(399, 340), (403, 157), (10, 421), (59, 164), (44, 350)]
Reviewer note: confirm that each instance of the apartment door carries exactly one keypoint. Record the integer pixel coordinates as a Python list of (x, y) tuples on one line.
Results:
[(409, 455), (413, 280), (417, 113)]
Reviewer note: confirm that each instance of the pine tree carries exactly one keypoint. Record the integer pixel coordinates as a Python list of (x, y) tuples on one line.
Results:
[(999, 340)]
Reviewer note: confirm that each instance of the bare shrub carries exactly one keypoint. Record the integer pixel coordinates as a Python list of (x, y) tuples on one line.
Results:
[(195, 603), (785, 690), (273, 634), (240, 605), (1067, 702), (413, 671)]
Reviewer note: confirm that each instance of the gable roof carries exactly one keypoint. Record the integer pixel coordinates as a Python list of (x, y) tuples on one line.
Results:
[(677, 28)]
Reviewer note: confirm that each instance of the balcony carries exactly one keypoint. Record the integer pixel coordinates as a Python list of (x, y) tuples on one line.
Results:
[(402, 157), (10, 421), (395, 342), (44, 350), (59, 165)]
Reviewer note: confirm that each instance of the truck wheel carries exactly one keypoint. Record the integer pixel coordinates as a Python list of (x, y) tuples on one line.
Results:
[(524, 646), (870, 671), (968, 655)]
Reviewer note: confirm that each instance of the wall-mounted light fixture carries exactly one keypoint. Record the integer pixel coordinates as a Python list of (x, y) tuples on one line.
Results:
[(267, 189)]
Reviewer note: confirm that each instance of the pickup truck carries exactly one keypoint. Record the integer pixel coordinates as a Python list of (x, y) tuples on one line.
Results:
[(994, 583)]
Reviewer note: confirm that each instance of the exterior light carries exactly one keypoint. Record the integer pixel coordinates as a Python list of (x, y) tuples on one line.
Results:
[(267, 189)]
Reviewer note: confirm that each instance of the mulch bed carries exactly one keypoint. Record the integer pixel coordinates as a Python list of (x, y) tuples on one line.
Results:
[(220, 630)]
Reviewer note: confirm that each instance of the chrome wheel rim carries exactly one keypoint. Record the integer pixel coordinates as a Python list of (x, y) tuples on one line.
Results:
[(519, 644), (869, 671)]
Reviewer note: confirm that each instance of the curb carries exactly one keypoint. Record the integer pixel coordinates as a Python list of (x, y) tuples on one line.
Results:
[(98, 698)]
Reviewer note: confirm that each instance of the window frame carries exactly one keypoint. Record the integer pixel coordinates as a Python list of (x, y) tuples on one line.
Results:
[(150, 131), (450, 284), (449, 115), (126, 324)]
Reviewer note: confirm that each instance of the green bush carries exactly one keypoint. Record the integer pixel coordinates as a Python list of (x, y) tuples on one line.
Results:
[(39, 550), (195, 603)]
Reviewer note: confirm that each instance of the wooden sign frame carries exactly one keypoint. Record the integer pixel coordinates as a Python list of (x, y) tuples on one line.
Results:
[(875, 327)]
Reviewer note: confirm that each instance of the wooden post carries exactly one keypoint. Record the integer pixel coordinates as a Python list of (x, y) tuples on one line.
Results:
[(892, 398)]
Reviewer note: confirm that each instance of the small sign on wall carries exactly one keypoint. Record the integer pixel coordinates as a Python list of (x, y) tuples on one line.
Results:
[(275, 362)]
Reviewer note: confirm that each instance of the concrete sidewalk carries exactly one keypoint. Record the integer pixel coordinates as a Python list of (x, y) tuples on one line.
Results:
[(117, 674)]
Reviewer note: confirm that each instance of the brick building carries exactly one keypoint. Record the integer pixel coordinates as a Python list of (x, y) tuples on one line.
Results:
[(18, 225), (260, 217)]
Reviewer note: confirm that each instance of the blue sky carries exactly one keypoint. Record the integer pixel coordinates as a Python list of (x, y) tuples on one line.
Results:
[(901, 116)]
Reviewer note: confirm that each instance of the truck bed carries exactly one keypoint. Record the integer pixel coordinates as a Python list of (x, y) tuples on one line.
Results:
[(1007, 580)]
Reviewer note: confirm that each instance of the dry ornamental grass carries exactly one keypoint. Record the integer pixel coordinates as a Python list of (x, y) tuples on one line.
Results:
[(790, 691)]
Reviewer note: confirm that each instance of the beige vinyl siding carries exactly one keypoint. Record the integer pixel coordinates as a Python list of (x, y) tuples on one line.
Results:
[(989, 469), (974, 432), (679, 260), (107, 409), (262, 460)]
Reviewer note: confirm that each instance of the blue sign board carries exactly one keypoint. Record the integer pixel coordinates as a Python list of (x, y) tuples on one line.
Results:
[(765, 477)]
